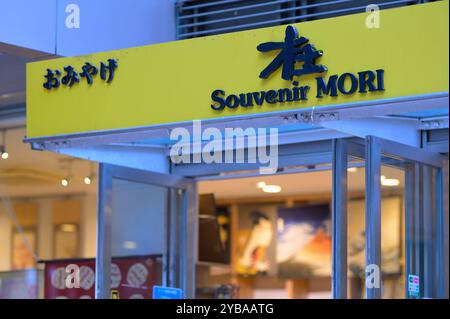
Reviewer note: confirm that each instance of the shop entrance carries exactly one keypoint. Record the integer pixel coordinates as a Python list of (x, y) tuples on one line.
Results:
[(421, 221), (149, 204), (157, 214), (144, 213)]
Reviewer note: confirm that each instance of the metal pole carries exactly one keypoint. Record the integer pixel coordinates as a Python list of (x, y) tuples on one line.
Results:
[(104, 230), (428, 222), (339, 219), (373, 218), (445, 232), (442, 231), (418, 226), (175, 238), (439, 255), (190, 237), (183, 242), (409, 224), (167, 238)]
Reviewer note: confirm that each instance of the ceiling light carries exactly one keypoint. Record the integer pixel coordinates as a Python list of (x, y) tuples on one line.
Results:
[(4, 153), (390, 182), (260, 184), (271, 189), (65, 181), (352, 169), (68, 228), (87, 180), (68, 178)]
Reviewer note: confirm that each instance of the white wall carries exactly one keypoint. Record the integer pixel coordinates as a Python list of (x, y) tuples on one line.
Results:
[(5, 240), (45, 230), (137, 218), (88, 227)]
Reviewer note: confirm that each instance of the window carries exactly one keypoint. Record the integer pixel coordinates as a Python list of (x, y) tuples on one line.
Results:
[(201, 18)]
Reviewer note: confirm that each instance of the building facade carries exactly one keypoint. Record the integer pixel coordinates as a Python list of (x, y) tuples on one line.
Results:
[(282, 149)]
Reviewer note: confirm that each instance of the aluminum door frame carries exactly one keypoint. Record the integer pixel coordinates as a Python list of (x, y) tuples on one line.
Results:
[(372, 149), (178, 267)]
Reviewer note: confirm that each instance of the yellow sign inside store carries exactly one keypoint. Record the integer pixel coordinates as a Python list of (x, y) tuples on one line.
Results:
[(232, 75)]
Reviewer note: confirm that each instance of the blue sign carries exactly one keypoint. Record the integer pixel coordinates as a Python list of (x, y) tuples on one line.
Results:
[(413, 285), (167, 293)]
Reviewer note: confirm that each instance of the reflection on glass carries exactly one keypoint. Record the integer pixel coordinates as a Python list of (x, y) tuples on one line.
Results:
[(138, 234)]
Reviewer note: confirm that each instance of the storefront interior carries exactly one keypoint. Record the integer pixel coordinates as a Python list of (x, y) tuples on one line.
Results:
[(278, 246), (47, 211), (235, 234), (59, 222)]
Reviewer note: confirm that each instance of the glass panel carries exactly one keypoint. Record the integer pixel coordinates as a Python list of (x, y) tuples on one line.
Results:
[(279, 242), (392, 232), (19, 234), (138, 238), (356, 229), (422, 235), (411, 230)]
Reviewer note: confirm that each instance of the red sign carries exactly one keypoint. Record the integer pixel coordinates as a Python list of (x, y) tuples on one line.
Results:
[(131, 278)]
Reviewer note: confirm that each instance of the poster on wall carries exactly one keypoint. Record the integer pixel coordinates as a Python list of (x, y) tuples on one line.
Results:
[(256, 240), (131, 278), (304, 242), (391, 215), (22, 243), (66, 241)]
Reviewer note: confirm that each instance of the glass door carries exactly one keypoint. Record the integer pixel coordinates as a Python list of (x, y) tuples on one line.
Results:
[(145, 237), (405, 220), (426, 227)]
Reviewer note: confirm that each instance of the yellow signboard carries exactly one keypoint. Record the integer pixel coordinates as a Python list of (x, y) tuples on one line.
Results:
[(406, 55)]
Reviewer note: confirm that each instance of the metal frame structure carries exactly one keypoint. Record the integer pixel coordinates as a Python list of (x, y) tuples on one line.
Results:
[(171, 274), (336, 133), (339, 219), (425, 228), (88, 144), (196, 18), (375, 151), (373, 212)]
